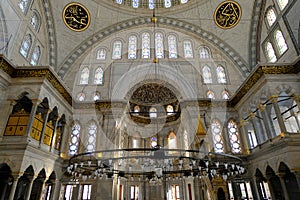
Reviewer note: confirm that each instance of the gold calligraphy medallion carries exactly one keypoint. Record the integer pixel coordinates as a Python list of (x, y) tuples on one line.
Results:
[(76, 17), (227, 14)]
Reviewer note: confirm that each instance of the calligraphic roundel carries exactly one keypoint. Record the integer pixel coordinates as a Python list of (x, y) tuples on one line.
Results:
[(76, 17), (227, 14)]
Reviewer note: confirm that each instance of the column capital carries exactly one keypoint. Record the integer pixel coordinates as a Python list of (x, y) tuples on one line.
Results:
[(273, 98), (262, 107)]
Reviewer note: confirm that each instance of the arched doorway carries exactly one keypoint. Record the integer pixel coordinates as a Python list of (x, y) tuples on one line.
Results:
[(221, 194), (275, 185), (23, 184), (290, 181), (6, 181), (37, 186)]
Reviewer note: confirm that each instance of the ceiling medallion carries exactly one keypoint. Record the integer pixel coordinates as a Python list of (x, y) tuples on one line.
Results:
[(227, 14), (76, 17)]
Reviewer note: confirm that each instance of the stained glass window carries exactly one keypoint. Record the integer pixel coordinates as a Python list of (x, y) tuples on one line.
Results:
[(183, 1), (84, 76), (172, 143), (117, 50), (159, 45), (204, 52), (91, 138), (35, 56), (210, 94), (225, 94), (172, 42), (101, 54), (135, 3), (145, 45), (271, 16), (221, 75), (81, 96), (187, 49), (26, 44), (132, 46), (168, 3), (35, 21), (153, 112), (282, 3), (24, 5), (234, 137), (271, 56), (119, 1), (75, 136), (98, 76), (153, 142), (280, 42), (170, 110), (97, 96), (151, 4), (206, 73), (216, 130)]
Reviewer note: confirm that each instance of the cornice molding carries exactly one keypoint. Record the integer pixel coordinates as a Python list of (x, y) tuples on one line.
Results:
[(40, 72)]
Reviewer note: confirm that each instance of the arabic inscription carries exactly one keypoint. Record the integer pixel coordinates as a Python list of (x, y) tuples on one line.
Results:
[(76, 17), (228, 14)]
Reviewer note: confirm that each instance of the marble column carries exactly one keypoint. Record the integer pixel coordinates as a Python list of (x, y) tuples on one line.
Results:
[(13, 188), (278, 114), (56, 189), (267, 121), (27, 197)]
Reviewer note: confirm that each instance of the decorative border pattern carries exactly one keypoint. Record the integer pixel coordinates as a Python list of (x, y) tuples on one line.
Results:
[(254, 37), (51, 33), (190, 28)]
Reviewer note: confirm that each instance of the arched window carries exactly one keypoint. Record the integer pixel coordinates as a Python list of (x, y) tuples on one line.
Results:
[(119, 1), (234, 137), (204, 52), (153, 112), (117, 50), (271, 16), (35, 21), (98, 79), (132, 46), (271, 56), (135, 3), (216, 130), (153, 142), (210, 94), (168, 3), (159, 45), (221, 75), (280, 42), (35, 55), (81, 96), (172, 42), (84, 76), (188, 49), (136, 110), (74, 140), (96, 96), (145, 45), (206, 73), (151, 4), (24, 5), (26, 44), (101, 54), (91, 138), (225, 94), (170, 110), (172, 141), (183, 1), (282, 3)]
